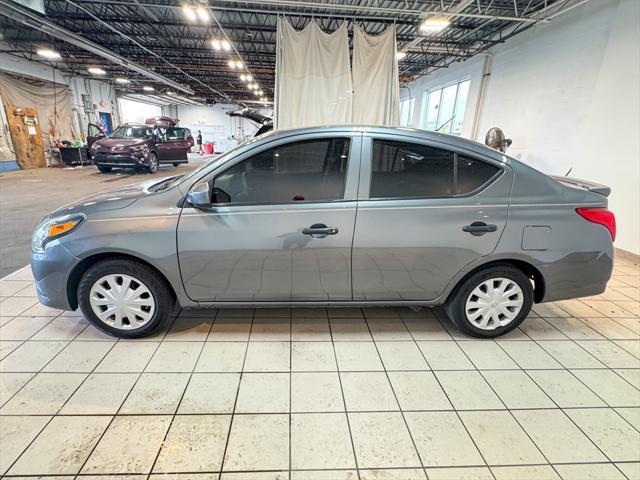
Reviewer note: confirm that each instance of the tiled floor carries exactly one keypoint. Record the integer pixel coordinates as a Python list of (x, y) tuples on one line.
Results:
[(323, 394)]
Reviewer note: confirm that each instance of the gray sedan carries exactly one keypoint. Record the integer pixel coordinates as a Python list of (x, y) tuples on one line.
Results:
[(331, 216)]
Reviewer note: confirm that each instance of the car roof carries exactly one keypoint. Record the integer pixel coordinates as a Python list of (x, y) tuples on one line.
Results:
[(453, 140)]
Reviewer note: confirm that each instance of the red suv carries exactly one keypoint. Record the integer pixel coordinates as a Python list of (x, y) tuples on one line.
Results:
[(143, 146)]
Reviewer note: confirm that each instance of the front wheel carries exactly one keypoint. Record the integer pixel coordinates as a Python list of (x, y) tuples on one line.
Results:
[(491, 302), (152, 163), (124, 298)]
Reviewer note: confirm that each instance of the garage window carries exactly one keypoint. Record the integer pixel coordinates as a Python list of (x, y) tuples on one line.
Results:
[(410, 170), (312, 170)]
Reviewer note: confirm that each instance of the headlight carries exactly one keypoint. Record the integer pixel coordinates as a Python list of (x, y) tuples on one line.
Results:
[(138, 148), (51, 228)]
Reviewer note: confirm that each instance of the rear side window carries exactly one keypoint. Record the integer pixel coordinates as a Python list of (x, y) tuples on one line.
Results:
[(472, 174), (401, 169), (410, 170), (313, 170)]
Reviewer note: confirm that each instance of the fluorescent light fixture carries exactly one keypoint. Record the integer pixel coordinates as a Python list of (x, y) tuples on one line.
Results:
[(48, 53), (249, 78), (169, 92), (239, 64), (202, 13), (96, 71), (226, 46), (434, 24), (256, 93), (148, 88), (243, 77), (260, 92), (232, 63), (189, 13), (400, 55), (216, 44), (122, 80)]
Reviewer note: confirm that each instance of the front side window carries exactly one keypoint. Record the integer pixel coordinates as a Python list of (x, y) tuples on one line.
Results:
[(410, 170), (311, 170), (402, 169)]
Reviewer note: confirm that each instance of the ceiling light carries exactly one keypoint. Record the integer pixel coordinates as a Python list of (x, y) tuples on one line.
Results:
[(260, 92), (148, 88), (400, 55), (48, 53), (189, 13), (170, 92), (202, 13), (226, 46), (216, 44), (434, 24), (122, 80), (231, 63), (96, 71), (239, 64), (256, 93), (249, 78), (243, 77)]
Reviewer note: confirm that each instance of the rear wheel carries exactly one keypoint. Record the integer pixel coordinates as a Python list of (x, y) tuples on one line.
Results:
[(152, 163), (124, 298), (103, 169), (491, 302)]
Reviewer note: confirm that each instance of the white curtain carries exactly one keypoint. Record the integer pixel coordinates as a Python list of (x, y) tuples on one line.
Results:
[(313, 77), (376, 96)]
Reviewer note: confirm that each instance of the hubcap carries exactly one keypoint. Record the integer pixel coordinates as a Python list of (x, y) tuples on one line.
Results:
[(122, 301), (494, 303)]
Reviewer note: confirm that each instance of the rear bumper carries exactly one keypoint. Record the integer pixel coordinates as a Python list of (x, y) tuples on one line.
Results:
[(577, 275), (51, 271)]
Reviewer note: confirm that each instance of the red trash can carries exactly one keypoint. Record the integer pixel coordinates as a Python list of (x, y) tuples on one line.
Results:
[(208, 148)]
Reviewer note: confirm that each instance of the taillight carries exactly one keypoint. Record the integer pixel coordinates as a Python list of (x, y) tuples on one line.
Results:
[(601, 216)]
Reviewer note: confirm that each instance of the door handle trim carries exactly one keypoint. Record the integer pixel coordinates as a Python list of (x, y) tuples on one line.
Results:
[(479, 228), (320, 230)]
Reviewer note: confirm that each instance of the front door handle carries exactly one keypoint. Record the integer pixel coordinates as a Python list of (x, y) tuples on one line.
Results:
[(320, 230), (479, 228)]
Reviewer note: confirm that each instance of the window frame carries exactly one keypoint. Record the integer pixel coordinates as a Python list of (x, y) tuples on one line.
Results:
[(425, 104), (366, 172), (351, 175)]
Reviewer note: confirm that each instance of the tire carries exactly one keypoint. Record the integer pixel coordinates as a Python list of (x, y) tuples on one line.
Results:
[(152, 163), (175, 164), (103, 169), (143, 279), (499, 313)]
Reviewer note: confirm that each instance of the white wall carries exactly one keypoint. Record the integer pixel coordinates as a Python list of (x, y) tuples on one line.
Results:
[(215, 124), (568, 94)]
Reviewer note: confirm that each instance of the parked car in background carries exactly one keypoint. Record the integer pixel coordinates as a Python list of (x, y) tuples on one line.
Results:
[(143, 146), (440, 221)]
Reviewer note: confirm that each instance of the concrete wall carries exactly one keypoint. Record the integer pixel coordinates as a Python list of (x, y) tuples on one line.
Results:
[(102, 94), (568, 95)]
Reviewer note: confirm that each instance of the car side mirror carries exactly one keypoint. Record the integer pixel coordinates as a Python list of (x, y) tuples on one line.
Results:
[(200, 196)]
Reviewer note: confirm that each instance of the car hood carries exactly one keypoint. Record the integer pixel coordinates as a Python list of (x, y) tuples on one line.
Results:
[(119, 142), (110, 199)]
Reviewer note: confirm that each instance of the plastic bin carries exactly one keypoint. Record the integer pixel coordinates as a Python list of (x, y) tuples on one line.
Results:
[(208, 148)]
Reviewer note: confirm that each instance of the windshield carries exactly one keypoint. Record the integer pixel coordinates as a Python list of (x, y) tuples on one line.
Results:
[(131, 132)]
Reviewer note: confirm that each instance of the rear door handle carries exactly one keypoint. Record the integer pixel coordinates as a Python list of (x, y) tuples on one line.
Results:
[(320, 230), (479, 228)]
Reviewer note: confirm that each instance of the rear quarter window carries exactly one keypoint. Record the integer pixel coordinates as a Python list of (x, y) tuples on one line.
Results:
[(472, 174)]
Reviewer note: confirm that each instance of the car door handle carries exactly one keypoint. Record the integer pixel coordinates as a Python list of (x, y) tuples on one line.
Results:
[(319, 230), (479, 228)]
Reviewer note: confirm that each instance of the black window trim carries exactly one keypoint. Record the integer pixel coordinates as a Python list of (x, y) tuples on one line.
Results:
[(482, 187), (270, 146)]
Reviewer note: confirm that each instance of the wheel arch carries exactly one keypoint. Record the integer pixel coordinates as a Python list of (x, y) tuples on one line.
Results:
[(533, 273), (78, 271)]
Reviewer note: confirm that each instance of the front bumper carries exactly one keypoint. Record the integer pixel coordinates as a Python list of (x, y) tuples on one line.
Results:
[(51, 271), (116, 160)]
